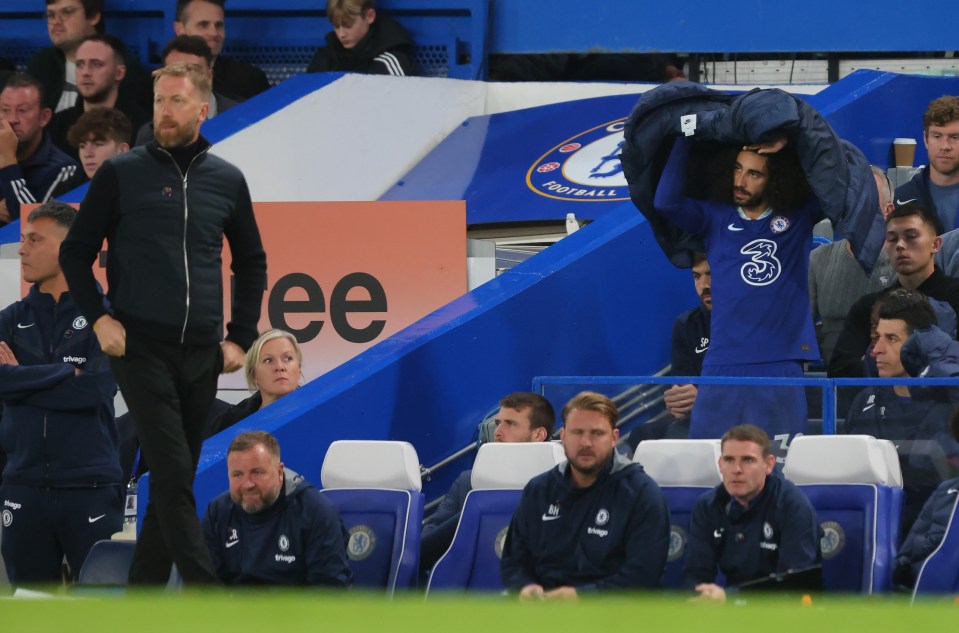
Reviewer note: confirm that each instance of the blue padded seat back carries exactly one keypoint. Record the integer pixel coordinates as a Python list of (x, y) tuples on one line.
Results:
[(473, 559), (384, 529)]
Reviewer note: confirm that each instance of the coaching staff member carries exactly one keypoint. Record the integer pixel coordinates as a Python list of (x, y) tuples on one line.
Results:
[(164, 209)]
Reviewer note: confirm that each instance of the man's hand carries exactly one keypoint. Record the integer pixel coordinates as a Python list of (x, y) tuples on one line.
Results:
[(531, 592), (767, 148), (562, 593), (708, 592), (5, 217), (679, 400), (8, 145), (6, 355), (233, 356), (112, 335)]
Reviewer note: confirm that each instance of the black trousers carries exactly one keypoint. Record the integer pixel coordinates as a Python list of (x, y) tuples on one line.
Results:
[(42, 525), (169, 389)]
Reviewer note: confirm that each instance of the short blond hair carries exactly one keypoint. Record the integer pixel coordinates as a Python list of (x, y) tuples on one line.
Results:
[(200, 80), (592, 401), (345, 12), (253, 354)]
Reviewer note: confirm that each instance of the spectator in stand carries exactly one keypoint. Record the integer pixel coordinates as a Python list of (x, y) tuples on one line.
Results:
[(98, 135), (231, 78), (272, 370), (31, 167), (937, 188), (916, 422), (363, 41), (69, 22), (100, 69), (836, 280), (911, 244), (193, 50), (690, 345)]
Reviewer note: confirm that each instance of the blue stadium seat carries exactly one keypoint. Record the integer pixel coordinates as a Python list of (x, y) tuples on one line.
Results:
[(685, 470), (940, 572), (107, 565), (853, 485), (376, 487), (500, 473)]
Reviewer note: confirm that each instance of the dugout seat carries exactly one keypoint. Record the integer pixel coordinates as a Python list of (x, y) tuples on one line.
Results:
[(684, 470), (376, 487), (106, 565), (857, 493), (500, 473), (940, 572)]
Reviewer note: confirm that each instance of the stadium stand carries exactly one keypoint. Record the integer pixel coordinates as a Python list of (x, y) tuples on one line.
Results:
[(376, 488), (500, 473), (685, 470), (851, 483)]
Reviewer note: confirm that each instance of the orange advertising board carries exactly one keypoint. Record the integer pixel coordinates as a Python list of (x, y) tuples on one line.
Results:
[(344, 275)]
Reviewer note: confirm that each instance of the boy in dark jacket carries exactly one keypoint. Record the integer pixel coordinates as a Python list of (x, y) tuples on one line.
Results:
[(363, 42)]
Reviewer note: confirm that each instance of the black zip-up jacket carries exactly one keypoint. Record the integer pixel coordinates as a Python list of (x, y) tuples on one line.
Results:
[(165, 230), (58, 426)]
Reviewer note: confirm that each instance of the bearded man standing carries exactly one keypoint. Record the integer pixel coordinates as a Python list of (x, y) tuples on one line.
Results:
[(165, 208)]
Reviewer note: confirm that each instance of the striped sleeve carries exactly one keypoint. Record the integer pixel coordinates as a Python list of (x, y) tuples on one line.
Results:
[(392, 64)]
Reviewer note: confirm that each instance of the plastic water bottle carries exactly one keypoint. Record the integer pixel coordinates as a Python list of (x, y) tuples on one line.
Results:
[(572, 225)]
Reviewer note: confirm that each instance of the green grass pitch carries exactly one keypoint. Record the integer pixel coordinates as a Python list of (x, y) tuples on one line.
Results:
[(270, 611)]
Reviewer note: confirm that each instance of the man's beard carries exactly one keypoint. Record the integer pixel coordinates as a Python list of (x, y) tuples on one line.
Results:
[(99, 97), (180, 136)]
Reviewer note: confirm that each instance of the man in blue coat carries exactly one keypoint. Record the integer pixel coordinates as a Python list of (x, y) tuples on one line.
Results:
[(753, 524), (522, 417), (272, 526), (62, 487), (594, 523)]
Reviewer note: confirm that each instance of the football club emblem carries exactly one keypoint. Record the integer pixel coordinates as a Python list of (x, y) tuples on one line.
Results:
[(584, 168), (167, 192), (677, 543), (602, 517), (767, 531), (7, 518), (361, 544), (779, 224), (284, 543), (833, 539), (79, 323)]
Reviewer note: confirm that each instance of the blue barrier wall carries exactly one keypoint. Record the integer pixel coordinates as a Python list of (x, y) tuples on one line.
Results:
[(870, 109), (704, 26), (598, 302)]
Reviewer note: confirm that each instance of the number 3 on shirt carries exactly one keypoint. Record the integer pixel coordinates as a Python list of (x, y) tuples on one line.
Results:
[(762, 268)]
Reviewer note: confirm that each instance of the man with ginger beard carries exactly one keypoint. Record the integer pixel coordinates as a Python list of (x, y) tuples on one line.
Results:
[(596, 522), (272, 526), (165, 208)]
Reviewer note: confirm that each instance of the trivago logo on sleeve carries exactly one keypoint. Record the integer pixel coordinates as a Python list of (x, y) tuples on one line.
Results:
[(584, 168)]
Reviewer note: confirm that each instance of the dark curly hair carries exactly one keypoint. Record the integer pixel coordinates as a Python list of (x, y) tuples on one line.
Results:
[(786, 188)]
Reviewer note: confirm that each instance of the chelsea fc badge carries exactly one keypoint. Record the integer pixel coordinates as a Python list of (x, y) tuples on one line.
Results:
[(779, 224)]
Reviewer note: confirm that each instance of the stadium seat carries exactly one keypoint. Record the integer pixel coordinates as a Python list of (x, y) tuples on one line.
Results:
[(684, 470), (940, 572), (376, 487), (500, 473), (852, 483), (107, 565)]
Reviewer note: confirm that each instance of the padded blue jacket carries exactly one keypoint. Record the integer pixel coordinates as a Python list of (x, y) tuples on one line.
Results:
[(299, 540), (611, 536), (58, 426), (776, 533), (838, 173)]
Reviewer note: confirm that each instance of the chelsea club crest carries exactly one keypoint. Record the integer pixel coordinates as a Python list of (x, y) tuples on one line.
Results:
[(584, 168), (779, 224)]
